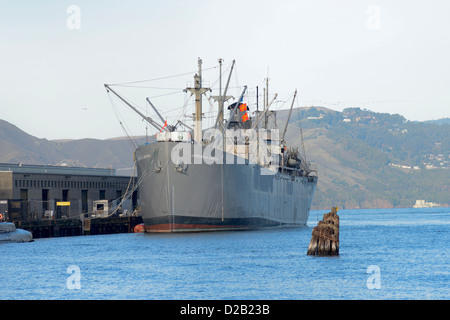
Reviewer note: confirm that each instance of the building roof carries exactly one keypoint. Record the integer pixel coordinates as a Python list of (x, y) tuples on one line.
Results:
[(41, 169)]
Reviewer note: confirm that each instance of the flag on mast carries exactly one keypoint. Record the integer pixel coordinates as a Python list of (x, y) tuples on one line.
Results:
[(165, 125)]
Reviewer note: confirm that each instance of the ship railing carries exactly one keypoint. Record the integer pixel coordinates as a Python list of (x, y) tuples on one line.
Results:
[(312, 168), (292, 171), (191, 84), (174, 136)]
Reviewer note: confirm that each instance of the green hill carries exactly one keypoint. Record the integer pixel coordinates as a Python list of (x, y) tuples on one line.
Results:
[(372, 160)]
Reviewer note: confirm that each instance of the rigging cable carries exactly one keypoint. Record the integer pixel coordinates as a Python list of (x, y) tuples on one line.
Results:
[(132, 142), (129, 192), (306, 167), (161, 78)]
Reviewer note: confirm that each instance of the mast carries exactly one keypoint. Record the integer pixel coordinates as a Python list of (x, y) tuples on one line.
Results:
[(289, 116), (148, 119), (266, 115), (221, 98), (167, 127), (264, 99), (220, 86), (198, 90), (263, 114), (257, 107), (156, 110)]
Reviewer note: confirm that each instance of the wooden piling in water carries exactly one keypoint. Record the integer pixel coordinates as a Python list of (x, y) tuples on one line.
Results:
[(325, 236)]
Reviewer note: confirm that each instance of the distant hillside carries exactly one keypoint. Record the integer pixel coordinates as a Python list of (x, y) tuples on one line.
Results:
[(439, 121), (368, 160), (18, 146), (364, 159)]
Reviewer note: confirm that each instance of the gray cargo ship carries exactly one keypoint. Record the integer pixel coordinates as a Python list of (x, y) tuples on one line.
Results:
[(238, 175)]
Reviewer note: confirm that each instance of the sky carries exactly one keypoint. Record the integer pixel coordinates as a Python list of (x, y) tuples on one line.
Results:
[(56, 56)]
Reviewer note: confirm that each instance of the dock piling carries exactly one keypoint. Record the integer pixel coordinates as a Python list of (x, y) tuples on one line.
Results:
[(325, 236)]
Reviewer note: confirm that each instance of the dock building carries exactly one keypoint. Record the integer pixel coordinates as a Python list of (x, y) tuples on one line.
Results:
[(32, 192)]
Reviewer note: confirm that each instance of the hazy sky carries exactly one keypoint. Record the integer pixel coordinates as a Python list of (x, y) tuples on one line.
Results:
[(386, 56)]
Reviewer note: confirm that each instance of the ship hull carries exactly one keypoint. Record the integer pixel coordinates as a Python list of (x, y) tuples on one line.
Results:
[(211, 197)]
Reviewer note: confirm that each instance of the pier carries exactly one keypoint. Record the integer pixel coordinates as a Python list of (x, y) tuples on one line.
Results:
[(49, 228)]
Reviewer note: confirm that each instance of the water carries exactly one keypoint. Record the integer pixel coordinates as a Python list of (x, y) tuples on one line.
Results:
[(409, 247)]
